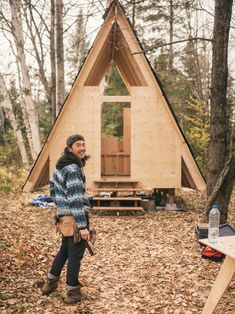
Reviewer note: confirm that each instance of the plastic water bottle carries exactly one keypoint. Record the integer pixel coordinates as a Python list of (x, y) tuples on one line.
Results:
[(214, 222)]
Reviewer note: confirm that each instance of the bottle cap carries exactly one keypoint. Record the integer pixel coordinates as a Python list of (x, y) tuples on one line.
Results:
[(214, 206)]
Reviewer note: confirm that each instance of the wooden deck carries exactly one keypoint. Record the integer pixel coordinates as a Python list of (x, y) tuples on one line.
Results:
[(117, 187)]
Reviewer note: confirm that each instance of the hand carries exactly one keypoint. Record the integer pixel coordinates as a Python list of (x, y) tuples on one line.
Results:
[(85, 234)]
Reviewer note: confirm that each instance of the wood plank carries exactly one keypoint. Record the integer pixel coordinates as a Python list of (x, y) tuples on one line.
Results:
[(111, 99), (118, 208), (221, 283), (115, 181), (116, 154), (192, 168), (39, 171), (127, 131), (109, 145), (116, 163), (225, 245), (117, 199), (97, 54)]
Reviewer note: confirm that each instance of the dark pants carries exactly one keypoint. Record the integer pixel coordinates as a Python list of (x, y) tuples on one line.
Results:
[(74, 254)]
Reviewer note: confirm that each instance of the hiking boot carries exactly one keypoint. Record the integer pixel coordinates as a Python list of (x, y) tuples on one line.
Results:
[(73, 296), (50, 286)]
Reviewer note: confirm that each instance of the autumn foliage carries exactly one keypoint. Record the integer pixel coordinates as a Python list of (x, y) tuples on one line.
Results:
[(148, 264)]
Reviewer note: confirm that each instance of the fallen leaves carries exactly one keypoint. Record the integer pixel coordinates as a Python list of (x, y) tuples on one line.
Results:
[(142, 265)]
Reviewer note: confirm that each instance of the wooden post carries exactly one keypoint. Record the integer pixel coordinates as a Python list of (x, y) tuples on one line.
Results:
[(223, 279), (171, 196)]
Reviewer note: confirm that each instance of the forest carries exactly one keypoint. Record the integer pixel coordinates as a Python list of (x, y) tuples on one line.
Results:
[(190, 46), (43, 47)]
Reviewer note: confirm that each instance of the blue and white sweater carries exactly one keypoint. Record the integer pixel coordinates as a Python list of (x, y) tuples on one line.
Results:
[(68, 190)]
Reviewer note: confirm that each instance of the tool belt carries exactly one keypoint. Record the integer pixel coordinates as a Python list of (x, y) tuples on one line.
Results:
[(66, 225)]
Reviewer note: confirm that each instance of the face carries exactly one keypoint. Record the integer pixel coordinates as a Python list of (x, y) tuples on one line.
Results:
[(78, 149)]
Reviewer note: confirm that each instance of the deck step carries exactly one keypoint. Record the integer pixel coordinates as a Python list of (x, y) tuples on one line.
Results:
[(116, 190), (116, 181), (117, 199), (116, 208)]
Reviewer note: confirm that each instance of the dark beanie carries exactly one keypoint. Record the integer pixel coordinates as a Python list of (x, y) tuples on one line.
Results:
[(74, 138)]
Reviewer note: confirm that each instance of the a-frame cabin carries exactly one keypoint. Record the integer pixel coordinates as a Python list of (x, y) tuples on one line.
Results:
[(154, 152)]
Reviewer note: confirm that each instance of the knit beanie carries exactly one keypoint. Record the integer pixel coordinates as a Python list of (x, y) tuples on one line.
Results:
[(74, 138)]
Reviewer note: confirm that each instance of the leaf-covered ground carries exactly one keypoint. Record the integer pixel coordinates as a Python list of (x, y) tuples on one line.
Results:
[(142, 265)]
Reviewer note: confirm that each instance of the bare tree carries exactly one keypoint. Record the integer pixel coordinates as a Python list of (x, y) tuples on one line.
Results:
[(60, 88), (79, 47), (27, 29), (38, 29), (5, 103), (17, 31), (36, 37), (221, 167), (108, 2), (196, 66), (53, 61), (171, 24)]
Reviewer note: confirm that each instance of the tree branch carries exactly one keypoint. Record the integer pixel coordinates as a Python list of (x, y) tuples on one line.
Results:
[(172, 43)]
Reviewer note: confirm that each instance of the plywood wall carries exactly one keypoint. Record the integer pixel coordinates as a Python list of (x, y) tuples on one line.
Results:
[(155, 144), (127, 130), (82, 116)]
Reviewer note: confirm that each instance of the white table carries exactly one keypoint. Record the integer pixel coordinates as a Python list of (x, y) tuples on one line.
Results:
[(225, 245)]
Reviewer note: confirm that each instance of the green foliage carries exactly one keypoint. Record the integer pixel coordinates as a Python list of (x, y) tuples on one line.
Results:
[(9, 152), (45, 119), (197, 131), (112, 119), (114, 83), (112, 113), (11, 180)]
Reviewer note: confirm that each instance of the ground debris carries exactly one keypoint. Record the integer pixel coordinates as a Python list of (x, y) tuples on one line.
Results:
[(142, 265)]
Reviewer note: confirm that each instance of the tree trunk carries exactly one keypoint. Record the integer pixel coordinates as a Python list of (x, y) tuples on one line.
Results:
[(39, 54), (60, 89), (8, 109), (24, 112), (108, 2), (171, 53), (219, 123), (225, 181), (19, 42), (2, 128), (53, 63), (196, 67), (133, 13)]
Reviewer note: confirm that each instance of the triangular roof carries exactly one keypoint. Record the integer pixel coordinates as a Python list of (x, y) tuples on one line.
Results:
[(117, 42)]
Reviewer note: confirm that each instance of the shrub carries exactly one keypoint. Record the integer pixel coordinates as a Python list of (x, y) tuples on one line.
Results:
[(11, 180)]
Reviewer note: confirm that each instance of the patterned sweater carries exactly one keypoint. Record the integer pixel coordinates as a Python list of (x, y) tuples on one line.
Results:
[(68, 190)]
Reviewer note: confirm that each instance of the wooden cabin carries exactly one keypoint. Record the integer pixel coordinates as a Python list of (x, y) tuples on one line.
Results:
[(153, 153)]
